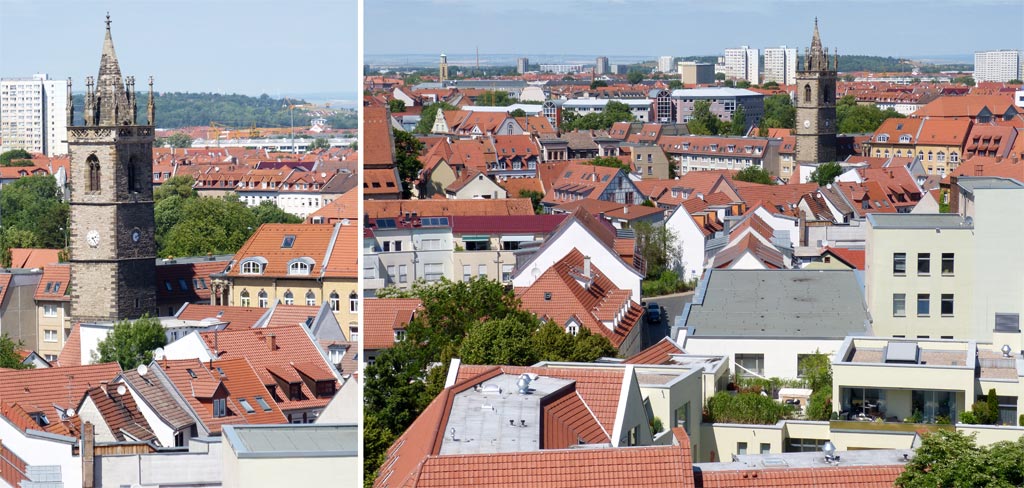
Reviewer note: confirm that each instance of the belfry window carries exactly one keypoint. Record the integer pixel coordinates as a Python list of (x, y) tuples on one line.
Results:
[(94, 173)]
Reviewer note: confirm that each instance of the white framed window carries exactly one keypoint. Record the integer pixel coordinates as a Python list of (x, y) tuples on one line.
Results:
[(263, 301), (481, 270), (353, 333), (299, 268), (49, 310), (467, 272), (289, 298), (353, 302), (310, 298), (335, 301), (252, 267), (899, 304), (243, 298), (506, 272), (50, 335), (433, 271), (430, 244), (403, 273)]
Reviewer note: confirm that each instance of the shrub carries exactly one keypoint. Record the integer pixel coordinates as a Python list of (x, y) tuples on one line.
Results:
[(819, 406), (1020, 420), (968, 418), (746, 408)]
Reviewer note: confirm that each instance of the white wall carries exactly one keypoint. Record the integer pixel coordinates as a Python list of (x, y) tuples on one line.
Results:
[(192, 346), (199, 467), (37, 451), (780, 355), (691, 241), (781, 223)]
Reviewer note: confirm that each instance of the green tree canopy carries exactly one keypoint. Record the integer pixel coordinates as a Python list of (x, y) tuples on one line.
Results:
[(702, 121), (319, 143), (407, 157), (33, 214), (779, 112), (964, 80), (15, 157), (9, 357), (613, 112), (395, 105), (181, 185), (429, 115), (496, 98), (675, 85), (738, 125), (659, 246), (635, 77), (826, 173), (535, 198), (178, 139), (609, 162), (754, 174), (770, 85), (517, 113), (500, 341), (852, 118), (951, 458), (132, 342), (598, 84)]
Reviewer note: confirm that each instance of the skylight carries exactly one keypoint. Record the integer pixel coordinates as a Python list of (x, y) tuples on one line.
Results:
[(288, 242), (246, 405)]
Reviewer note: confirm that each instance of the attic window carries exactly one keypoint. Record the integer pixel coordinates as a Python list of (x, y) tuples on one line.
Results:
[(49, 286), (904, 139), (183, 284), (263, 404), (547, 295), (246, 405), (191, 373), (56, 287), (288, 242), (168, 285)]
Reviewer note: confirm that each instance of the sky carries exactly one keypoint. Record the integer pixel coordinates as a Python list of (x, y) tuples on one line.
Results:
[(249, 47), (898, 28)]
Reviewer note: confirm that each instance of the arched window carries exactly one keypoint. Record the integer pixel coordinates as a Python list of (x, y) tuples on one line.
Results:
[(310, 298), (905, 139), (244, 298), (882, 138), (807, 93), (252, 267), (353, 302), (572, 329), (289, 298), (929, 155), (131, 175), (941, 157), (954, 157), (262, 297), (300, 266), (335, 300), (94, 173)]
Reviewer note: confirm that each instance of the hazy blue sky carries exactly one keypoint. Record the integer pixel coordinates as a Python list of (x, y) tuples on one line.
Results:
[(233, 46), (690, 27)]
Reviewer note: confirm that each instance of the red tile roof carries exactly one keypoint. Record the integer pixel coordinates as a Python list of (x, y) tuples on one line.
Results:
[(659, 353), (343, 207), (378, 143), (235, 317), (991, 166), (513, 224), (121, 414), (767, 254), (54, 284), (825, 477), (382, 316), (194, 276), (965, 105), (45, 389), (33, 258), (307, 241), (377, 209), (852, 257), (71, 353)]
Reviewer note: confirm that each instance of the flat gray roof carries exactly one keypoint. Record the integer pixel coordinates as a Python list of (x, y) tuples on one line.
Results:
[(971, 183), (778, 303), (918, 221), (866, 457), (293, 440), (714, 92), (479, 420)]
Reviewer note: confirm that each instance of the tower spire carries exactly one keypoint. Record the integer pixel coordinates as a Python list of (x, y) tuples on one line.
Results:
[(151, 106), (111, 100), (817, 57)]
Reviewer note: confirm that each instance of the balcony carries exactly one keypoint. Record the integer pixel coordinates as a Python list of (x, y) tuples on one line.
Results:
[(877, 425)]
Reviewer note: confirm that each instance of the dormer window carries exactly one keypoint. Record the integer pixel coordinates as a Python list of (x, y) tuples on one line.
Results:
[(882, 138), (904, 139), (253, 266), (300, 266)]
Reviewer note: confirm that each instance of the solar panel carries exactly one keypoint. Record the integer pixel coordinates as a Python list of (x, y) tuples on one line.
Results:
[(385, 223)]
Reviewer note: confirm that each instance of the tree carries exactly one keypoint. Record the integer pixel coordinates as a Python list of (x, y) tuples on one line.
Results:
[(770, 85), (964, 80), (496, 98), (719, 76), (729, 83), (613, 112), (319, 143), (178, 139), (15, 157), (754, 174), (739, 122), (535, 198), (9, 357), (779, 112), (826, 173), (1015, 82), (659, 247), (702, 121), (609, 162), (181, 185), (743, 84), (675, 85), (634, 77), (395, 105), (951, 458), (598, 84), (407, 157), (852, 118), (429, 115), (33, 213), (518, 113), (500, 341), (377, 438), (132, 342)]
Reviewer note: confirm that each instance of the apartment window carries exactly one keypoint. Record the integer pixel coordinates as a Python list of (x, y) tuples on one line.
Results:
[(353, 333), (506, 272), (741, 448), (899, 304), (335, 301), (310, 298), (262, 299), (324, 389), (244, 298), (899, 263), (252, 267), (353, 302), (391, 273), (50, 335), (426, 245), (467, 272), (947, 264), (946, 304), (924, 263), (403, 273), (49, 310), (295, 391), (682, 415), (481, 270), (633, 436), (289, 298), (432, 271), (220, 407), (923, 304), (386, 246), (766, 448), (804, 445), (398, 246), (481, 245), (749, 365)]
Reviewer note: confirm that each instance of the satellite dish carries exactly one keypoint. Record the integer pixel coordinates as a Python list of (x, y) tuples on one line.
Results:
[(69, 412), (158, 353), (121, 390), (142, 370)]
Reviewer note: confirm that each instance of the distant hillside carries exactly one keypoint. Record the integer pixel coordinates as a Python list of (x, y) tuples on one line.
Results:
[(174, 110)]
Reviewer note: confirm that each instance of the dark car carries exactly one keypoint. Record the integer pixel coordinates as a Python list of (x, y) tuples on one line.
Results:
[(653, 313)]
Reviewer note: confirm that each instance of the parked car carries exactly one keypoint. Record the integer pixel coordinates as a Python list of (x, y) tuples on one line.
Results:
[(653, 313)]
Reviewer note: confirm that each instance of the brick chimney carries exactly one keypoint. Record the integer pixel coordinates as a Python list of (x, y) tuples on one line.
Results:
[(271, 339)]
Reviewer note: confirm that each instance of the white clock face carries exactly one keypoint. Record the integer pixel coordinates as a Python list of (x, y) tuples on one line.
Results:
[(136, 235), (93, 238), (807, 124)]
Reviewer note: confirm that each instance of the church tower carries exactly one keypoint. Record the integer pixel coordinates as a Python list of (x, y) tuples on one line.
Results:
[(816, 105), (113, 246), (442, 70)]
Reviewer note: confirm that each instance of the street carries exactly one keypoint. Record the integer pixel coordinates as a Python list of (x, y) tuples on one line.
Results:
[(673, 306)]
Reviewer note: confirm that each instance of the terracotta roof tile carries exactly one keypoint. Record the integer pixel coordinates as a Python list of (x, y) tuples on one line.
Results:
[(659, 353), (852, 257), (54, 283), (71, 353), (513, 224), (155, 394), (271, 242), (382, 316), (33, 258), (235, 317), (36, 390), (186, 282), (343, 207), (378, 143), (376, 209), (839, 476), (121, 414)]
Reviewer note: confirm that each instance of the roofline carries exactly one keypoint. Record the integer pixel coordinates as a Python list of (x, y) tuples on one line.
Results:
[(136, 394), (242, 452)]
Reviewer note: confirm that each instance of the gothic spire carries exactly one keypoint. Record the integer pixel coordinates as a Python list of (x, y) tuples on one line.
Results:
[(150, 106), (112, 103), (817, 57)]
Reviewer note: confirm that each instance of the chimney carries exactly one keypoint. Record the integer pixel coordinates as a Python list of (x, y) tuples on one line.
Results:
[(586, 267), (625, 210), (88, 455), (271, 341)]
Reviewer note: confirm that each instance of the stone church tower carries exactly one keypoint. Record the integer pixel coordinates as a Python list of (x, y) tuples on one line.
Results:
[(816, 105), (113, 247)]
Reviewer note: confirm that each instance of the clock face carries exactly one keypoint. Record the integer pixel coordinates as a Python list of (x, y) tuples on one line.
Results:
[(807, 124), (136, 235), (93, 238)]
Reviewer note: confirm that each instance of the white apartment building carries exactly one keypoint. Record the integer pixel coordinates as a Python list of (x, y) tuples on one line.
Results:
[(742, 63), (665, 64), (561, 68), (33, 114), (601, 67), (1002, 65), (780, 65)]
